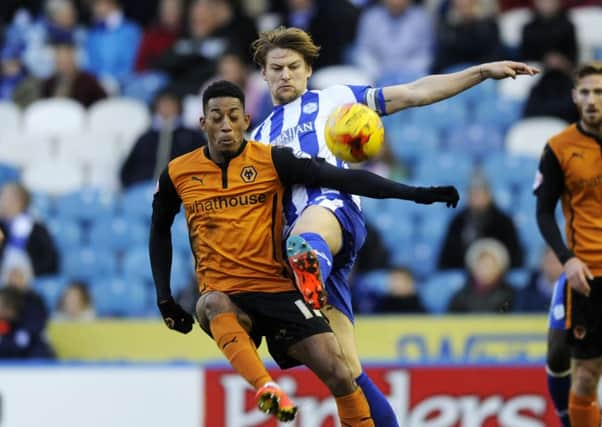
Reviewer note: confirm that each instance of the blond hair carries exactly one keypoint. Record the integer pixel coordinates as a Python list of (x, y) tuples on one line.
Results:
[(285, 38)]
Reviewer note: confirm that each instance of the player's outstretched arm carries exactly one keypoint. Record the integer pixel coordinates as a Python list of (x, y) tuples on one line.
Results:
[(437, 87), (317, 173), (166, 205)]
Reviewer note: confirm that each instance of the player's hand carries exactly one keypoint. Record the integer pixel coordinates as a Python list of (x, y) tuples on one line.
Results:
[(577, 273), (446, 194), (503, 69), (175, 317)]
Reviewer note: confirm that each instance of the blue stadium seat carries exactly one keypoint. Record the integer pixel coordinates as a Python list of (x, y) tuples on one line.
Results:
[(395, 226), (475, 140), (145, 86), (444, 169), (42, 205), (137, 201), (397, 77), (8, 173), (182, 273), (516, 171), (118, 233), (87, 204), (51, 288), (533, 243), (439, 288), (441, 116), (179, 234), (503, 196), (481, 95), (87, 263), (66, 233), (498, 112), (420, 257), (136, 264), (526, 200), (518, 278), (409, 142), (433, 226), (121, 296)]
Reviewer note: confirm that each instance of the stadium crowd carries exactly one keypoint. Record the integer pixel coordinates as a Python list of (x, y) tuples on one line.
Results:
[(96, 96)]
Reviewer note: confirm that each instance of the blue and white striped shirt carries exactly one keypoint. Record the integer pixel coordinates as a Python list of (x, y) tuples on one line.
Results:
[(299, 125)]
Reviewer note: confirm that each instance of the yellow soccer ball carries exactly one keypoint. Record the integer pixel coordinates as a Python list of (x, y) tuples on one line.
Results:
[(354, 132)]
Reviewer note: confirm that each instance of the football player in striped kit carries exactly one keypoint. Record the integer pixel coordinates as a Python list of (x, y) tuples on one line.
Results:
[(325, 228)]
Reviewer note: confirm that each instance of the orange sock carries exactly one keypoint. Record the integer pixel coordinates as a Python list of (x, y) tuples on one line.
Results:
[(584, 411), (354, 410), (239, 349)]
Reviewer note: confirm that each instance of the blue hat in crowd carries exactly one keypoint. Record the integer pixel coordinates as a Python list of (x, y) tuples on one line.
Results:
[(12, 50)]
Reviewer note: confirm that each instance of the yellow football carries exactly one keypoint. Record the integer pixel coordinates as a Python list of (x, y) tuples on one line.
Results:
[(354, 132)]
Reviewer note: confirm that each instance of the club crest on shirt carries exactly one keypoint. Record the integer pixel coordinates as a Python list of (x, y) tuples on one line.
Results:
[(248, 174), (310, 107)]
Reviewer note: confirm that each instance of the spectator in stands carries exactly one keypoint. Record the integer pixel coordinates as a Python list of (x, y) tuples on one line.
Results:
[(316, 17), (60, 20), (112, 44), (232, 67), (550, 30), (25, 313), (485, 291), (395, 37), (15, 82), (76, 303), (167, 138), (69, 81), (466, 36), (215, 27), (536, 296), (551, 96), (161, 36), (23, 233), (401, 296), (481, 218)]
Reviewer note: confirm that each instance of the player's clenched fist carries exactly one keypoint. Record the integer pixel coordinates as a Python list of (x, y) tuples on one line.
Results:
[(175, 316), (446, 194)]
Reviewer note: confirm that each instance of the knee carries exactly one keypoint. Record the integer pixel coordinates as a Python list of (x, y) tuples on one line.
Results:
[(211, 304), (339, 378), (585, 379)]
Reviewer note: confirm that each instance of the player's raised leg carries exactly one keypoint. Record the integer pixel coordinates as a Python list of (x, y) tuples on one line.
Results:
[(229, 327), (320, 221), (316, 236)]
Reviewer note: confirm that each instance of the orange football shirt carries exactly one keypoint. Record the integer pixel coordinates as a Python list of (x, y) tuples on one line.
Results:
[(235, 220)]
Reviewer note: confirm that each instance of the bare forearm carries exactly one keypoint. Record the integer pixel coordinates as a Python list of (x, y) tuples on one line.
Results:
[(434, 88), (430, 89)]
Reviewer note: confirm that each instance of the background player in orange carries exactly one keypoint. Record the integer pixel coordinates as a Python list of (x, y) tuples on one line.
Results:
[(331, 223), (571, 170), (232, 192)]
